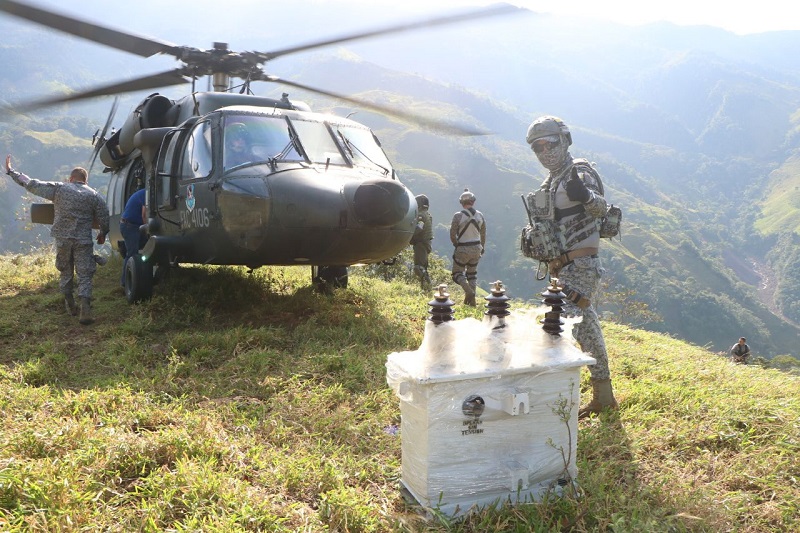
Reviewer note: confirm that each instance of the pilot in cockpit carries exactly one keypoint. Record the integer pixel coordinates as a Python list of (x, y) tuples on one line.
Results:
[(238, 145)]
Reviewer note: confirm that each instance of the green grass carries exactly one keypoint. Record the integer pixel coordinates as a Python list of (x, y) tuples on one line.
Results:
[(248, 402), (780, 208), (59, 137)]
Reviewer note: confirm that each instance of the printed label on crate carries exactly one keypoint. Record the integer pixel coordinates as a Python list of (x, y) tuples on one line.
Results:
[(471, 427)]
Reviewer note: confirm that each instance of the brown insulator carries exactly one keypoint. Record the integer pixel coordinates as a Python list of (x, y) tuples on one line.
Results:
[(441, 307), (553, 297), (497, 304)]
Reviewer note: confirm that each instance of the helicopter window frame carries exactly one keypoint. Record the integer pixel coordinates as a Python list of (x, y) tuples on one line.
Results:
[(268, 139), (166, 186), (196, 160)]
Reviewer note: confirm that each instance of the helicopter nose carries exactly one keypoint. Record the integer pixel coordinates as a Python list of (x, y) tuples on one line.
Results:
[(381, 202)]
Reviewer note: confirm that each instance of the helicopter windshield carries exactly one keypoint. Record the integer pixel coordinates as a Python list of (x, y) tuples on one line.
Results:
[(362, 147), (251, 139), (318, 143)]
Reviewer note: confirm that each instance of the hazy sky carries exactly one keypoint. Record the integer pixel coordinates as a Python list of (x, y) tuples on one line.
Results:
[(737, 17)]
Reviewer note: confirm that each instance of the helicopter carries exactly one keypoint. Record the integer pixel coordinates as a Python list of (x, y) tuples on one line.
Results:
[(315, 188)]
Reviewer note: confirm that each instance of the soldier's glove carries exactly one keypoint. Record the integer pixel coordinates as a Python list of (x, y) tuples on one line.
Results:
[(576, 189)]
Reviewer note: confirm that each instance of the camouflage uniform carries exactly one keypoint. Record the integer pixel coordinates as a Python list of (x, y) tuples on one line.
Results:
[(582, 274), (577, 195), (421, 244), (76, 207)]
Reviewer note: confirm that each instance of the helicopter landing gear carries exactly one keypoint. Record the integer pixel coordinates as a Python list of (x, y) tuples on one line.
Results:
[(138, 279), (161, 272), (327, 278)]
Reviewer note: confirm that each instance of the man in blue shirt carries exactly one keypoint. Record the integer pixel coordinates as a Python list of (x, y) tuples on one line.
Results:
[(132, 218)]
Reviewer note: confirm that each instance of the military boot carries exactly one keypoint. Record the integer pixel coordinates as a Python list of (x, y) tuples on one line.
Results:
[(426, 282), (86, 311), (69, 303), (473, 285), (602, 398), (469, 293)]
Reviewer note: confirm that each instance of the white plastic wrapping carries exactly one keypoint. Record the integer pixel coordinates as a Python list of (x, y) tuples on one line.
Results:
[(487, 415)]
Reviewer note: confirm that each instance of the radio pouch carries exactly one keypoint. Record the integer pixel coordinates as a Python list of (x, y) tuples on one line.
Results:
[(541, 241), (610, 224)]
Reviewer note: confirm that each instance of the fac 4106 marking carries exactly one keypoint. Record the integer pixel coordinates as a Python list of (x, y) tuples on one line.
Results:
[(193, 218), (197, 218)]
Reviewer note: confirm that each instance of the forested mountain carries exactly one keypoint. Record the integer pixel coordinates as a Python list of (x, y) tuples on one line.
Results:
[(694, 130)]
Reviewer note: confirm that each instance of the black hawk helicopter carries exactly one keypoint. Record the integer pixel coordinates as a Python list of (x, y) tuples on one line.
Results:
[(312, 189)]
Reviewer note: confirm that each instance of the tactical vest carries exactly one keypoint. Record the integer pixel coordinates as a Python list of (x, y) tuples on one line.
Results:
[(469, 227), (580, 228)]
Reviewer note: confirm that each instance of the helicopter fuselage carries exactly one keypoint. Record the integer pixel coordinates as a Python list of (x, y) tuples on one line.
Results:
[(313, 188)]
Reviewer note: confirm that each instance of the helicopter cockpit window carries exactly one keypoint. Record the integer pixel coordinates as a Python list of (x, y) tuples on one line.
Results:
[(250, 140), (318, 143), (197, 160), (361, 147)]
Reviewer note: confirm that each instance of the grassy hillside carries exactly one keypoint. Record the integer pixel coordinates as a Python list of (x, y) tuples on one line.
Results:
[(236, 402), (780, 208)]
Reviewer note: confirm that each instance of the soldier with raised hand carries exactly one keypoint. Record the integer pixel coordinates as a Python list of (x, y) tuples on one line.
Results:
[(468, 235), (76, 207), (577, 193)]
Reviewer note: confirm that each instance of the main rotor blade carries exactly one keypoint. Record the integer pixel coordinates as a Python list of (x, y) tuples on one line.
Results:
[(100, 140), (128, 42), (155, 81), (502, 9), (434, 124)]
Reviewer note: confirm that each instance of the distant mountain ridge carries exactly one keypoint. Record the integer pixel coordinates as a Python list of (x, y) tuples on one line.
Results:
[(692, 128)]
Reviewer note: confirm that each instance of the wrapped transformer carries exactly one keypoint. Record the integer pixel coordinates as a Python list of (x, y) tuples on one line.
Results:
[(487, 415)]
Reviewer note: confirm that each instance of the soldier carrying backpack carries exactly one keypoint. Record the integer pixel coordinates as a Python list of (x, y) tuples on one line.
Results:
[(571, 202)]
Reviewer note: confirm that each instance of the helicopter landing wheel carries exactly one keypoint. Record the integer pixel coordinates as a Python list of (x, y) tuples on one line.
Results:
[(327, 278), (138, 279)]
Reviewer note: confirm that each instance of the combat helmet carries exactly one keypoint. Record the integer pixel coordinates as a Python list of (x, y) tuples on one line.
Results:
[(547, 126), (422, 201), (236, 131), (466, 197)]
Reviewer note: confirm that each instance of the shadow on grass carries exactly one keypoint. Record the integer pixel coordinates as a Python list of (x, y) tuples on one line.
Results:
[(204, 329)]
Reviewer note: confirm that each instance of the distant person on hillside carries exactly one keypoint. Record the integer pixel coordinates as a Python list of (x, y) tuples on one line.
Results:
[(76, 207), (133, 216), (740, 351), (468, 235), (576, 192), (421, 242)]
